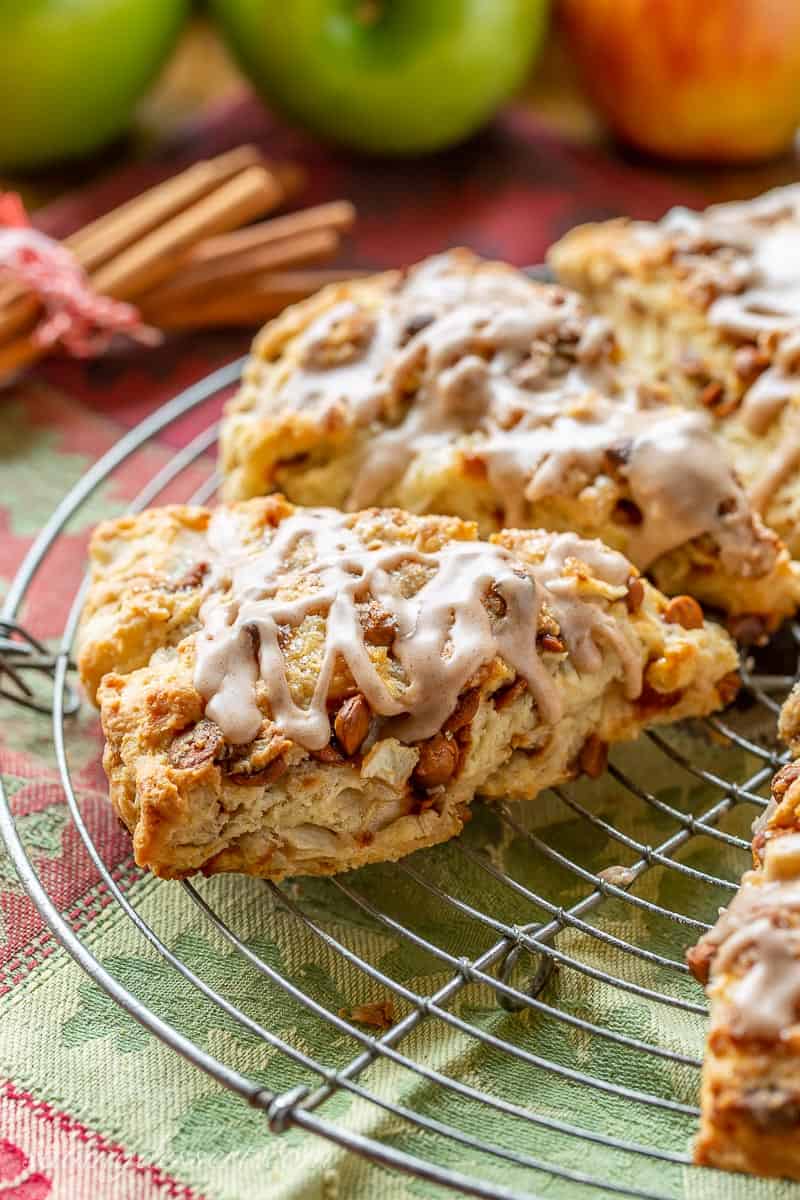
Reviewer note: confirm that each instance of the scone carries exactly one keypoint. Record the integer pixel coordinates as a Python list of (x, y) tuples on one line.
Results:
[(301, 691), (463, 387), (710, 302), (751, 962)]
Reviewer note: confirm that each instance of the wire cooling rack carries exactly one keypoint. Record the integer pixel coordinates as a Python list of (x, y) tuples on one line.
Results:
[(545, 1034)]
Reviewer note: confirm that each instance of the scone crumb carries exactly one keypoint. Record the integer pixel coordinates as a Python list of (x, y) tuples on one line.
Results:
[(380, 1014)]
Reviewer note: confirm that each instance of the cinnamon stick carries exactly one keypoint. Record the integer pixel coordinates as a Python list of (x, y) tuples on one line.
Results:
[(18, 313), (155, 256), (20, 352), (107, 235), (236, 270), (265, 297), (337, 215)]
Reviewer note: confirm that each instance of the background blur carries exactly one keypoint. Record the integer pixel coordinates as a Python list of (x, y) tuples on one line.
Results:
[(201, 79)]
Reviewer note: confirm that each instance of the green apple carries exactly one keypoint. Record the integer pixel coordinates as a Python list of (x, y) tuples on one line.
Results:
[(387, 76), (71, 72)]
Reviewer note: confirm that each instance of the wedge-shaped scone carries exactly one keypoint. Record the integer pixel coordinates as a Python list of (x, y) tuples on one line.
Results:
[(710, 302), (299, 691), (463, 387), (751, 963)]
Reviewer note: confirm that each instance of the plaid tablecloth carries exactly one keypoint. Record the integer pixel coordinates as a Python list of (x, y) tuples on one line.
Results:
[(92, 1106)]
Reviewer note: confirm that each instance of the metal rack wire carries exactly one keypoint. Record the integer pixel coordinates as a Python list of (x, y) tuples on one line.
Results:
[(555, 964)]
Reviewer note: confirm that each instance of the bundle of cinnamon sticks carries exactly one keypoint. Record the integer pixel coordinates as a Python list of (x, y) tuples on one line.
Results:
[(185, 254)]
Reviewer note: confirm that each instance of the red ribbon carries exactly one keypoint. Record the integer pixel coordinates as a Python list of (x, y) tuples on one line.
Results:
[(77, 318)]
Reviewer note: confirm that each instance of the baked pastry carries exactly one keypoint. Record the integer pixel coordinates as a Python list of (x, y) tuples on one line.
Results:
[(710, 302), (289, 691), (751, 963), (463, 387)]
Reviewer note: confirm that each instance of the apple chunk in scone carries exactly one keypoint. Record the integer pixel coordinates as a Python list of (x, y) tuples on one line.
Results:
[(301, 691), (463, 387)]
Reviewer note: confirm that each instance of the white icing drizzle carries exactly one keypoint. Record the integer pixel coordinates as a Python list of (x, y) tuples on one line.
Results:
[(765, 999), (750, 253), (519, 378), (316, 563)]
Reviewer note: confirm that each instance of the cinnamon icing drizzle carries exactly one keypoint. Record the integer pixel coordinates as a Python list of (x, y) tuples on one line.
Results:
[(765, 999), (749, 254), (518, 377), (316, 564)]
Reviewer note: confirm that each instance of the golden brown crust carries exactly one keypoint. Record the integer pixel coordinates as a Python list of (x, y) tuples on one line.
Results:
[(313, 451), (658, 299), (750, 1097), (272, 807)]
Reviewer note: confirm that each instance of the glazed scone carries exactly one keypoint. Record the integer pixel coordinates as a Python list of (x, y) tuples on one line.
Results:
[(751, 963), (463, 387), (710, 303), (301, 691)]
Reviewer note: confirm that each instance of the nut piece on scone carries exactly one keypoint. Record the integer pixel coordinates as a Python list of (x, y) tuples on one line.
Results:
[(750, 961), (709, 303), (301, 691), (463, 387)]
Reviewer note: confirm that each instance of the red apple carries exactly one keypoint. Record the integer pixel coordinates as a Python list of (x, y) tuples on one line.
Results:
[(714, 80)]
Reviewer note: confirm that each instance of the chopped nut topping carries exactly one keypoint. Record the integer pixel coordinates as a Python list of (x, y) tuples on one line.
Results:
[(711, 394), (474, 466), (728, 687), (202, 743), (785, 778), (749, 362), (344, 341), (652, 701), (635, 596), (620, 454), (464, 711), (693, 367), (415, 325), (507, 695), (352, 724), (191, 579), (379, 626), (252, 632), (550, 643), (438, 759), (627, 513), (495, 604), (330, 755), (699, 959), (685, 611), (593, 757), (260, 761), (269, 774)]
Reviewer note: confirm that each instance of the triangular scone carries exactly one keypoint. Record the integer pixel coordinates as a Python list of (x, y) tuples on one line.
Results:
[(299, 691), (710, 303), (464, 387), (751, 963)]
